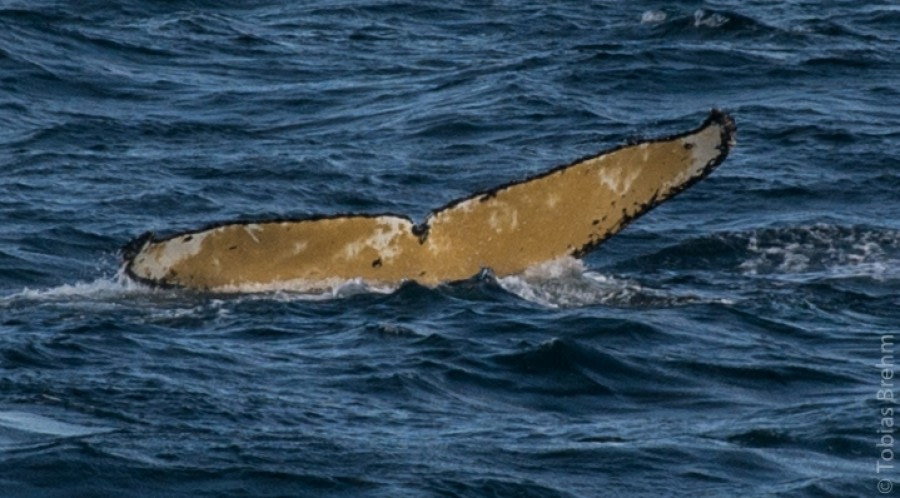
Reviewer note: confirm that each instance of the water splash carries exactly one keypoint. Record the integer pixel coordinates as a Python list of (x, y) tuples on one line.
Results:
[(565, 283), (107, 290)]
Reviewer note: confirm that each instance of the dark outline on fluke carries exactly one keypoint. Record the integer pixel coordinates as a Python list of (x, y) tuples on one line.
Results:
[(420, 230)]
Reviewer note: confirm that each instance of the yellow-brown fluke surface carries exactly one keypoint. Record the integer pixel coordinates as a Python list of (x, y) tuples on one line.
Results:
[(564, 212)]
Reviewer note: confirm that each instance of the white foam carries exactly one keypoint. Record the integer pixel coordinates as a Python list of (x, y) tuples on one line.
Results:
[(823, 250), (713, 20), (565, 283), (301, 289), (100, 288), (119, 290), (653, 17)]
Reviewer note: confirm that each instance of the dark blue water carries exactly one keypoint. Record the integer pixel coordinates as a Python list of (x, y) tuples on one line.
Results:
[(723, 345)]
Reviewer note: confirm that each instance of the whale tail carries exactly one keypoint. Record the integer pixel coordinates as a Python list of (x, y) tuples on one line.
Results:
[(566, 211)]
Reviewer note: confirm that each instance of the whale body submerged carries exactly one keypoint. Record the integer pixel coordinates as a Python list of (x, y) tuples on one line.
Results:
[(566, 211)]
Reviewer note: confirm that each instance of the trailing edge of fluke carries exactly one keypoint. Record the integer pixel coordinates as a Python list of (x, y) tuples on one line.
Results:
[(566, 211)]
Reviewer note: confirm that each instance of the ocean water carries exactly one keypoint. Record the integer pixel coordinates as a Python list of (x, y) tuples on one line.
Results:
[(736, 341)]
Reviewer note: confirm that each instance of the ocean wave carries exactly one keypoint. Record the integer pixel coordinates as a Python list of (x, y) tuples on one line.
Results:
[(679, 23), (565, 368), (825, 250), (43, 425)]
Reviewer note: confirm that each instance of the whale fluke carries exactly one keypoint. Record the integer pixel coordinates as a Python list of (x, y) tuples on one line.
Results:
[(566, 211)]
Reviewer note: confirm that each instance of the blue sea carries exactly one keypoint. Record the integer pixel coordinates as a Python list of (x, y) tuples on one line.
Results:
[(739, 340)]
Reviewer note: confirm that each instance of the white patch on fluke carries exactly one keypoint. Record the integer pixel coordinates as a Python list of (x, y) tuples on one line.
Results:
[(382, 241), (703, 150), (504, 218), (616, 180), (159, 259), (251, 230)]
